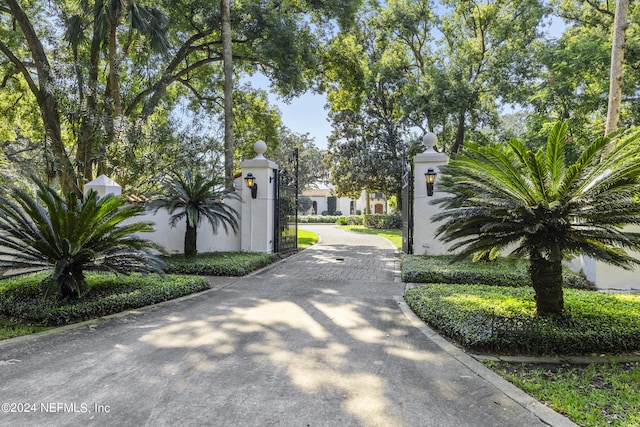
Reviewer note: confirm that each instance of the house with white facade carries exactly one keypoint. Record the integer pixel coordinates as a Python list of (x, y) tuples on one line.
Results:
[(345, 205)]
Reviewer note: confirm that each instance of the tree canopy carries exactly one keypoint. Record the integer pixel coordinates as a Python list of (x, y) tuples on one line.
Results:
[(105, 75)]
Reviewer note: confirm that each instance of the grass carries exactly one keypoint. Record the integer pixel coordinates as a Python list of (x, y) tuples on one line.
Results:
[(12, 329), (306, 238), (590, 395), (395, 236)]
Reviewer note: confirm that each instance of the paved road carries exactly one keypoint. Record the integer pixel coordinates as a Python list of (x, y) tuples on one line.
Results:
[(317, 340)]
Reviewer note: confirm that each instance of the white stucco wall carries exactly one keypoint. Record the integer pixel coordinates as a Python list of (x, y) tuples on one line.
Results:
[(172, 239)]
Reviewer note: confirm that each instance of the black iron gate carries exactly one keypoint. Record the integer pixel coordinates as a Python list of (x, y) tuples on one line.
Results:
[(285, 228), (407, 204)]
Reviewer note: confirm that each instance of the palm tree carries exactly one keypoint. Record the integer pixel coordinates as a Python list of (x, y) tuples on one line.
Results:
[(68, 236), (505, 196), (195, 198)]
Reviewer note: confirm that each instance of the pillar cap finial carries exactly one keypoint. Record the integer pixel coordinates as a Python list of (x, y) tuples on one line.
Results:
[(429, 140), (260, 147)]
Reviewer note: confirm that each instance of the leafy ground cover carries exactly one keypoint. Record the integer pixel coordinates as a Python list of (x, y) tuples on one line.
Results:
[(219, 263), (502, 272), (591, 395), (395, 236), (21, 299), (498, 319)]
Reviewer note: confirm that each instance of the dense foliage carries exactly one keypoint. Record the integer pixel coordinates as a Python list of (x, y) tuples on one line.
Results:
[(503, 319), (499, 272), (96, 82), (68, 236), (220, 263), (383, 221)]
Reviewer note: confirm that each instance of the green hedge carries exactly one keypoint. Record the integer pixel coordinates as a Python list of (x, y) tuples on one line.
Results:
[(383, 221), (22, 300), (219, 263), (350, 220), (501, 320), (318, 219), (501, 272)]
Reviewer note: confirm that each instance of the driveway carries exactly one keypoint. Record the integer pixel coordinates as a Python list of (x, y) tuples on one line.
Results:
[(319, 339)]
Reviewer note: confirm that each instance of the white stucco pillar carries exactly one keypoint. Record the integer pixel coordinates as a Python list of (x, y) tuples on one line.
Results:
[(424, 240), (103, 185), (256, 228)]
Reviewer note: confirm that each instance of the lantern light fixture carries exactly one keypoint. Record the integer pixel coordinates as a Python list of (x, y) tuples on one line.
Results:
[(430, 178), (250, 180)]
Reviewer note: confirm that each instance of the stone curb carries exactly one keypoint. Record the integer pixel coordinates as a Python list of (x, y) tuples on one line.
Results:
[(540, 410)]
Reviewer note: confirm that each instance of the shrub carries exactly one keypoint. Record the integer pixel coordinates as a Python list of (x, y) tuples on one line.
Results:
[(341, 221), (67, 236), (304, 204), (332, 202), (383, 221), (317, 219), (501, 272), (219, 263), (502, 319), (354, 220)]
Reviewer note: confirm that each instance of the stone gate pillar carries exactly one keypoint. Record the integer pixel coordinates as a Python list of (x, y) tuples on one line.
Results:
[(256, 227), (424, 241), (103, 185)]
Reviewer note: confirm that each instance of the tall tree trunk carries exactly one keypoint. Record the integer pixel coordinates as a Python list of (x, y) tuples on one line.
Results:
[(617, 57), (190, 241), (88, 134), (47, 102), (546, 277), (227, 54), (457, 144)]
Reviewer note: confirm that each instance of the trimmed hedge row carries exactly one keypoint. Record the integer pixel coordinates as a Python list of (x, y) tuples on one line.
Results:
[(383, 221), (219, 263), (21, 298), (318, 219), (502, 320), (501, 272)]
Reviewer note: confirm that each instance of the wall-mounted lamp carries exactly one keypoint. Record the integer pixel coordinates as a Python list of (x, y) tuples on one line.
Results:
[(250, 180), (430, 178)]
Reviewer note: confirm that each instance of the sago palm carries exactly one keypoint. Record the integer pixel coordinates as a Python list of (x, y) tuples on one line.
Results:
[(68, 236), (511, 197), (194, 198)]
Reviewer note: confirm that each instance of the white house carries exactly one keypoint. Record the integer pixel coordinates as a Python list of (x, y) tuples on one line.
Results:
[(344, 205)]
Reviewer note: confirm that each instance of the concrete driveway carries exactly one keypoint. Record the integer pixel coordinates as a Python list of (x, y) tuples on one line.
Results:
[(320, 339)]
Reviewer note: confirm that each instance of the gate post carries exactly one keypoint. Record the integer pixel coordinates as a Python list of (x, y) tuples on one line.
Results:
[(424, 240), (256, 226)]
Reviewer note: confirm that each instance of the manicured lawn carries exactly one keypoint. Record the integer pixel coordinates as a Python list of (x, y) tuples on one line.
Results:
[(591, 395), (306, 238), (395, 236)]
